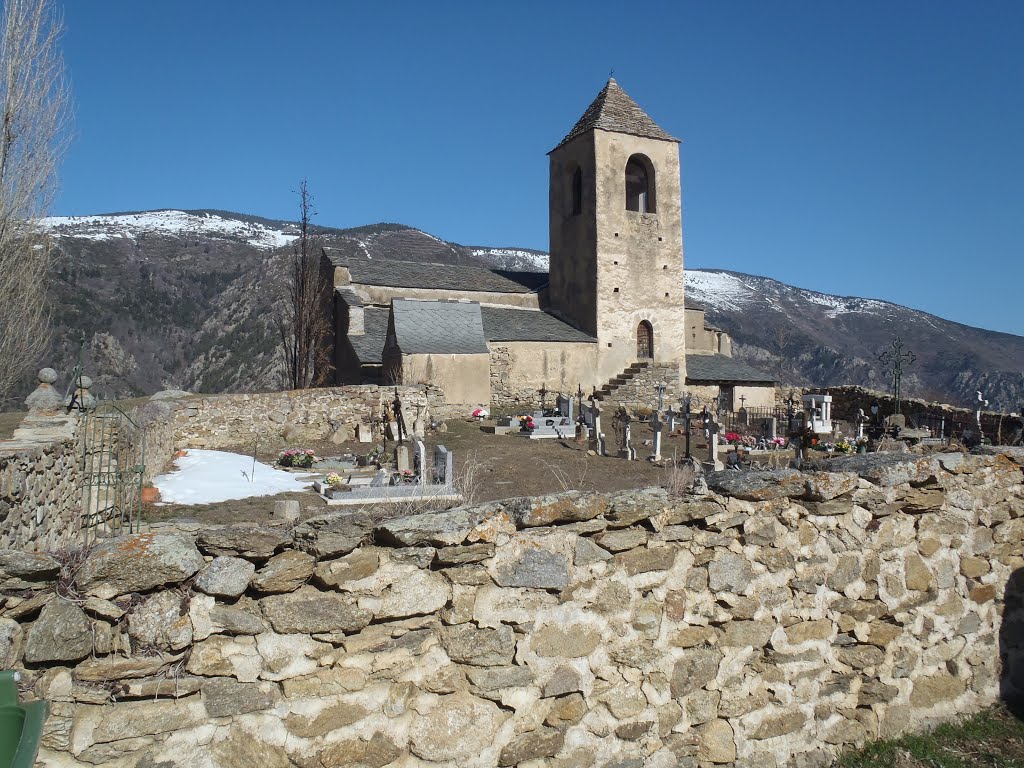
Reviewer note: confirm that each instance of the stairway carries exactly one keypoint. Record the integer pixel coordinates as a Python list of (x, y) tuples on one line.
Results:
[(635, 386)]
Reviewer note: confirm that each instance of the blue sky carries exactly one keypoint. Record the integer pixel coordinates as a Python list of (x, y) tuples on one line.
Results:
[(870, 149)]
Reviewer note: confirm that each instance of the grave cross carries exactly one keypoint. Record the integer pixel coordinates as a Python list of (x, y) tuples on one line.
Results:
[(579, 398), (656, 424), (982, 403), (660, 388), (686, 422), (893, 361), (543, 392), (399, 419)]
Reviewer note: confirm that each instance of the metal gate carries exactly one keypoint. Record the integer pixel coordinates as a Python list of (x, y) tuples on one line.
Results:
[(112, 464)]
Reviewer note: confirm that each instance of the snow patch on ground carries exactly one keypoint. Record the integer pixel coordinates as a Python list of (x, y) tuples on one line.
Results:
[(131, 225), (210, 477), (513, 258), (718, 290)]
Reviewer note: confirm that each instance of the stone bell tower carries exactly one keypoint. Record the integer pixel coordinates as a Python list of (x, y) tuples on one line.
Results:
[(617, 236)]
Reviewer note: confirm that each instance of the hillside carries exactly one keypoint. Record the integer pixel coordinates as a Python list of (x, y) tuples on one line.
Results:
[(185, 299)]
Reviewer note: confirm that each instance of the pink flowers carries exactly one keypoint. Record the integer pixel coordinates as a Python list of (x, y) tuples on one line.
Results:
[(298, 457)]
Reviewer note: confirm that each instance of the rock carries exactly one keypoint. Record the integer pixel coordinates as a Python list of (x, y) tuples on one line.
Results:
[(716, 742), (757, 486), (469, 553), (887, 469), (26, 570), (632, 506), (176, 687), (488, 679), (358, 565), (419, 557), (564, 680), (535, 745), (929, 691), (694, 669), (819, 629), (535, 569), (225, 576), (571, 641), (688, 637), (974, 567), (310, 611), (468, 644), (846, 732), (861, 656), (10, 643), (567, 710), (644, 560), (249, 541), (825, 486), (458, 728), (875, 692), (587, 553), (983, 593), (161, 622), (332, 534), (287, 510), (138, 563), (147, 718), (747, 633), (235, 621), (103, 609), (779, 725), (730, 572), (635, 730), (918, 577), (702, 706), (285, 572), (61, 633), (117, 668), (846, 571), (762, 531), (568, 507), (437, 529), (622, 539), (226, 696), (418, 593)]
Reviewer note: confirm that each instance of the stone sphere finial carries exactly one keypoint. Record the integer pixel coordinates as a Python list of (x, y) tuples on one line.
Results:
[(45, 399), (47, 376), (84, 382)]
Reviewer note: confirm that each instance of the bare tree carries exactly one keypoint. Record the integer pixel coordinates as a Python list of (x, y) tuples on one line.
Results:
[(306, 321), (34, 117)]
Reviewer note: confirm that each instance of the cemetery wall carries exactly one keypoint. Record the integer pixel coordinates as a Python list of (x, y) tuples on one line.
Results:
[(519, 369), (40, 493), (294, 417), (774, 620), (464, 379)]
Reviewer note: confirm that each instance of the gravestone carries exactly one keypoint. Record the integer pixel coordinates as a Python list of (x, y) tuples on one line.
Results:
[(656, 425), (363, 433), (444, 465), (564, 405), (421, 462), (418, 426), (712, 428), (595, 427), (602, 444), (402, 463), (671, 415)]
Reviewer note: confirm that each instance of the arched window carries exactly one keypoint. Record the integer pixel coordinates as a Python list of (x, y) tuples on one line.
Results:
[(640, 185), (644, 341), (577, 191)]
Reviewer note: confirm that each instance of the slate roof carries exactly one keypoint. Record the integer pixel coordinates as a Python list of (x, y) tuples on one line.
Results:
[(438, 327), (503, 324), (370, 346), (453, 277), (613, 110), (721, 368)]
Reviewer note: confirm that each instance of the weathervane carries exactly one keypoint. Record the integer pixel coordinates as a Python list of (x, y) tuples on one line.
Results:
[(894, 359)]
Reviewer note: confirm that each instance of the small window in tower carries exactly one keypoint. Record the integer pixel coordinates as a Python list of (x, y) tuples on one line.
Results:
[(577, 192), (640, 185), (616, 290)]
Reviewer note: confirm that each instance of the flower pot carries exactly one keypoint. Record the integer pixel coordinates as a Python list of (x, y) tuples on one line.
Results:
[(150, 495), (862, 449), (12, 721)]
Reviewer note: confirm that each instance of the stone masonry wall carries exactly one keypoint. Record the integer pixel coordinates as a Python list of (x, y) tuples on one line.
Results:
[(40, 494), (774, 620)]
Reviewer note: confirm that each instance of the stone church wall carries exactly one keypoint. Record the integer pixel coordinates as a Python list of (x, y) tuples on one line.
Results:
[(781, 617), (518, 369)]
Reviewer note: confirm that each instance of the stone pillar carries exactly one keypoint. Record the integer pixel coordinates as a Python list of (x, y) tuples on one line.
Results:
[(656, 424), (45, 399), (421, 462)]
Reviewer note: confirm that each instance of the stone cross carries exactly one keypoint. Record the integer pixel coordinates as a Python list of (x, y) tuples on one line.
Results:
[(595, 415), (656, 425), (402, 459), (712, 428), (418, 427), (399, 419), (660, 388), (543, 392), (671, 416), (861, 420)]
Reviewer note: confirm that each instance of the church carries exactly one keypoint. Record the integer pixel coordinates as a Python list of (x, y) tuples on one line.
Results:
[(610, 316)]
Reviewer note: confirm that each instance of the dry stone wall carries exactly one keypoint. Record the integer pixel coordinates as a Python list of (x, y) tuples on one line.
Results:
[(774, 620), (40, 494)]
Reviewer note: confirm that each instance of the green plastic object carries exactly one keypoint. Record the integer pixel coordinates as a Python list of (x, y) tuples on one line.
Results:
[(21, 725)]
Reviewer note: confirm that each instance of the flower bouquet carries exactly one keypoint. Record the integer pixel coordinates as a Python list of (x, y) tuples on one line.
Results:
[(732, 438), (297, 457), (526, 424)]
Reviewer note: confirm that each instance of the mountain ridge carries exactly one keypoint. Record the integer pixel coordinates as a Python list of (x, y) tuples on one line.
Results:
[(187, 299)]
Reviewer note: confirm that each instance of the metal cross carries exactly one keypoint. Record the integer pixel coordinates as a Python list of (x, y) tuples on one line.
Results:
[(543, 391), (579, 397), (743, 402), (894, 359), (660, 388)]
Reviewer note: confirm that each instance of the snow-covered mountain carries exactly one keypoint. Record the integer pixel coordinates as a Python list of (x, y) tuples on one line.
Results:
[(186, 299)]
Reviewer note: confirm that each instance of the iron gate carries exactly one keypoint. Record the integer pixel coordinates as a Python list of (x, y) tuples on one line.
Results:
[(112, 464)]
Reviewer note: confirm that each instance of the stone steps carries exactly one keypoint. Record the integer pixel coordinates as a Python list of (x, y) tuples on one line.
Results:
[(634, 388)]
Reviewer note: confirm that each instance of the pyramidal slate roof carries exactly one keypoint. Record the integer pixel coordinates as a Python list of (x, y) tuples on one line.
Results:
[(438, 327), (613, 110)]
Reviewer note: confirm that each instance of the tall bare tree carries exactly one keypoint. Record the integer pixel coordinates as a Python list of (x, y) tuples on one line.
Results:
[(306, 321), (34, 118)]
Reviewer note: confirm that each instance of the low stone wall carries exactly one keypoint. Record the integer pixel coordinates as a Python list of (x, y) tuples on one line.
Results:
[(308, 415), (775, 620), (40, 493)]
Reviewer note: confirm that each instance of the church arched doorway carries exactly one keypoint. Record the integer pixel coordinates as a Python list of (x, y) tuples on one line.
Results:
[(644, 341)]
